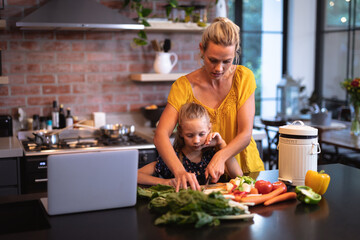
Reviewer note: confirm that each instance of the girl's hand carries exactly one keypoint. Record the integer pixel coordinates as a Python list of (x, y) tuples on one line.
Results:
[(216, 168), (214, 139), (183, 178), (170, 182)]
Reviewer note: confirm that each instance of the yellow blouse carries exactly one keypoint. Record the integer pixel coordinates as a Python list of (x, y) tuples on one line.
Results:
[(224, 118)]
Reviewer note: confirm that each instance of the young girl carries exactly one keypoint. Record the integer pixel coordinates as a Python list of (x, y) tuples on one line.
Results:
[(194, 144)]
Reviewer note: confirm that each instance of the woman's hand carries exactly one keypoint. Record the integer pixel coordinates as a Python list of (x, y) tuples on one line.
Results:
[(216, 167), (183, 178)]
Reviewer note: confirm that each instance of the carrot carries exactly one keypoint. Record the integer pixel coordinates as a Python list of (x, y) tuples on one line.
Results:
[(254, 191), (280, 198), (262, 198)]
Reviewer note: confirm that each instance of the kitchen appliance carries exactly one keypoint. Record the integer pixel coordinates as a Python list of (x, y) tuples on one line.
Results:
[(298, 149), (6, 126), (33, 165), (76, 15)]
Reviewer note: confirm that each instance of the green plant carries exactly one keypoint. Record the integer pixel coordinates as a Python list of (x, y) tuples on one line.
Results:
[(142, 13)]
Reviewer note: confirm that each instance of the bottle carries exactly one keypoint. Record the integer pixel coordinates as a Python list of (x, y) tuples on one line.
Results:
[(62, 119), (55, 116), (69, 118), (49, 125), (36, 122)]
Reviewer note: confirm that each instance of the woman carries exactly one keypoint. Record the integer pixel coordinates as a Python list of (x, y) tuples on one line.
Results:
[(227, 93)]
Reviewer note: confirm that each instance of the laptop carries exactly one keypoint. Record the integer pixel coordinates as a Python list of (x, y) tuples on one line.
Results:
[(80, 182)]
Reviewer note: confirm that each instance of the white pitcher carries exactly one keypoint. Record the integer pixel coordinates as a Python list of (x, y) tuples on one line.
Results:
[(163, 62)]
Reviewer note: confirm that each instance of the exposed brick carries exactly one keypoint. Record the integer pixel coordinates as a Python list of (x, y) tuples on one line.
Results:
[(114, 108), (65, 35), (16, 79), (46, 35), (24, 90), (24, 46), (56, 68), (100, 78), (56, 46), (100, 46), (85, 109), (137, 106), (87, 88), (130, 97), (54, 89), (151, 97), (77, 46), (99, 35), (113, 4), (96, 56), (113, 67), (132, 57), (5, 111), (40, 56), (85, 68), (22, 3), (4, 90), (72, 99), (12, 57), (113, 88), (25, 68), (12, 101), (71, 78), (41, 101), (70, 57), (31, 111), (136, 68), (41, 78), (98, 99)]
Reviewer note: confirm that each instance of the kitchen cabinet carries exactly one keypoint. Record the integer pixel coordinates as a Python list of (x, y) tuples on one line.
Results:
[(9, 176), (10, 153), (155, 77)]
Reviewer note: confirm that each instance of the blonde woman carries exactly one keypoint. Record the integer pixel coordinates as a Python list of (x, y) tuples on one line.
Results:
[(194, 145), (226, 91)]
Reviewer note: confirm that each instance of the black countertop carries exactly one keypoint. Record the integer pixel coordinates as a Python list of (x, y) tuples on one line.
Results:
[(335, 217)]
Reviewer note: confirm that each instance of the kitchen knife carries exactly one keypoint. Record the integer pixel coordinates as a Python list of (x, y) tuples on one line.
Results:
[(207, 182)]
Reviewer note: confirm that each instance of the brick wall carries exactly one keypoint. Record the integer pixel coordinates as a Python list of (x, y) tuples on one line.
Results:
[(87, 71)]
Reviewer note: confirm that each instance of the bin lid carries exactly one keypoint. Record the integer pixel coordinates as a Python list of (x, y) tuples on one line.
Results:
[(298, 128)]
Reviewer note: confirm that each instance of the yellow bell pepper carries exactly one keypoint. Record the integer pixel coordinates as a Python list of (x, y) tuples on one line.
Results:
[(318, 181)]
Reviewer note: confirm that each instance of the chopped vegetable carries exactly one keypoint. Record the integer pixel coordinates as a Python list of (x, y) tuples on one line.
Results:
[(260, 199), (317, 181), (155, 191), (280, 198), (306, 195)]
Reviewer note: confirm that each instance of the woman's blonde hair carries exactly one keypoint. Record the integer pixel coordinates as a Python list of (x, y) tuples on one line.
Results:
[(188, 111), (222, 31)]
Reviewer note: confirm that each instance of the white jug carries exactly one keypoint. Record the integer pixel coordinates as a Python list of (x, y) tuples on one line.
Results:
[(163, 62)]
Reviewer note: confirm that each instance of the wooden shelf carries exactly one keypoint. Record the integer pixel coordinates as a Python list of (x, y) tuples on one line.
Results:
[(173, 27), (4, 80), (2, 24), (155, 77)]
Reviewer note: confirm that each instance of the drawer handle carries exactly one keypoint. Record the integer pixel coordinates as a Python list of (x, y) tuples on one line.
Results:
[(41, 180)]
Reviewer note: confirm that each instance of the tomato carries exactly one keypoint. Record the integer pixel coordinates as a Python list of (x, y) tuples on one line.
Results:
[(279, 184), (263, 186)]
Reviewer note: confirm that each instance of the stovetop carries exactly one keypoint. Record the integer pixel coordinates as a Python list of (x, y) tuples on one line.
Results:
[(80, 144)]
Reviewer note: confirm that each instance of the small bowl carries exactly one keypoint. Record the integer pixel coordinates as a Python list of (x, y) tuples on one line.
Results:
[(153, 114)]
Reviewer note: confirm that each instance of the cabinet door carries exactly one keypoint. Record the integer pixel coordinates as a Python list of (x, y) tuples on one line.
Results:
[(8, 171)]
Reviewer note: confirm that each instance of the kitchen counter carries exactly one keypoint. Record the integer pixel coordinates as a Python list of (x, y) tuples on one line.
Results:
[(10, 147), (334, 217)]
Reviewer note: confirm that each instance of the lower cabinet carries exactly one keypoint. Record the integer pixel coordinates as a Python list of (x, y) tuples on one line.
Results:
[(9, 176)]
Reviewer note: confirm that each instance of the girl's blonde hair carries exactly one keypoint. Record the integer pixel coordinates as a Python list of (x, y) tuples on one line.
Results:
[(188, 111), (222, 31)]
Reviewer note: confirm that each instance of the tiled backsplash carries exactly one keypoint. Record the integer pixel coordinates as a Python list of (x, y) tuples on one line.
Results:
[(86, 71)]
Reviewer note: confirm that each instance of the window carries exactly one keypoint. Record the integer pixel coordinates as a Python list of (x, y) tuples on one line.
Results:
[(262, 46), (338, 44)]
